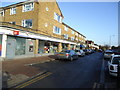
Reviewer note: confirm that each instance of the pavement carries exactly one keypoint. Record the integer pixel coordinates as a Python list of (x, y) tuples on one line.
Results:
[(19, 70)]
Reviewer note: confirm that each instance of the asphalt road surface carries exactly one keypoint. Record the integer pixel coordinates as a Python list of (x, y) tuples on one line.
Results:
[(86, 72)]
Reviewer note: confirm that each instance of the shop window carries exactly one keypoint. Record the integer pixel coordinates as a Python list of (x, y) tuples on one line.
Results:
[(20, 46)]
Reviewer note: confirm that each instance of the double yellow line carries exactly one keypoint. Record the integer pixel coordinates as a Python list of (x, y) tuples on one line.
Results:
[(33, 80)]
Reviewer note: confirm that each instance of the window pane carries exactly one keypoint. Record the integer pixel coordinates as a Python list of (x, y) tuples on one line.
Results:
[(28, 23), (20, 46)]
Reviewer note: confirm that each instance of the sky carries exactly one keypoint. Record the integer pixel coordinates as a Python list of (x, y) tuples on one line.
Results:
[(98, 21)]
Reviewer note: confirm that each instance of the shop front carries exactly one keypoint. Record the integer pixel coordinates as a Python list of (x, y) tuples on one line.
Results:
[(64, 46), (18, 46), (72, 47)]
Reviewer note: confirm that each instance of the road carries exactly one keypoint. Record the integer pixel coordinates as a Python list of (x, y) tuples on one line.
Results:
[(86, 72)]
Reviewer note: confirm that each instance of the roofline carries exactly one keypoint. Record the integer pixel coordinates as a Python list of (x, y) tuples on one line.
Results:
[(73, 29), (59, 8), (17, 4)]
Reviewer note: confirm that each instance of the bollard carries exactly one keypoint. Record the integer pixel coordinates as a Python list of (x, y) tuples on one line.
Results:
[(118, 75)]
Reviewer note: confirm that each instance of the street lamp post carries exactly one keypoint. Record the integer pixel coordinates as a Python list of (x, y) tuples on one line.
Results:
[(110, 39)]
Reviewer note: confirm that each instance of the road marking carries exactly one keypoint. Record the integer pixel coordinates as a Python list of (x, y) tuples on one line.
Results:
[(34, 80)]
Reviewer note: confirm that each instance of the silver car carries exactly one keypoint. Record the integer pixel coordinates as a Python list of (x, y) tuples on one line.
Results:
[(67, 55), (80, 52), (108, 54), (113, 65)]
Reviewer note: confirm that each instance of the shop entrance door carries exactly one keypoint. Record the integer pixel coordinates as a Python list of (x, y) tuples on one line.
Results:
[(10, 49)]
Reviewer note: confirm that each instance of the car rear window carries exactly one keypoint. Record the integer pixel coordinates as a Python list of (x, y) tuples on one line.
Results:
[(116, 60), (67, 51), (109, 52), (76, 50)]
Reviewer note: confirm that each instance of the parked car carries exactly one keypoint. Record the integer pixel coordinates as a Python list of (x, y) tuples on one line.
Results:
[(112, 65), (67, 55), (80, 52), (86, 51), (108, 54)]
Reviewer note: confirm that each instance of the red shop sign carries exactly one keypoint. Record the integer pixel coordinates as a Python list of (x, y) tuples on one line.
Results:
[(16, 32)]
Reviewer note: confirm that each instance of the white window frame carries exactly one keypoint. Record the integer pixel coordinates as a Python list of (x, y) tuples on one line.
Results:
[(58, 32), (73, 32), (25, 25), (66, 28), (66, 36), (31, 7), (76, 34), (13, 23), (57, 17), (72, 38), (2, 11), (12, 10)]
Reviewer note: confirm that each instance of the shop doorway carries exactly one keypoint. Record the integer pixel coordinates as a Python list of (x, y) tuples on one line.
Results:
[(10, 50)]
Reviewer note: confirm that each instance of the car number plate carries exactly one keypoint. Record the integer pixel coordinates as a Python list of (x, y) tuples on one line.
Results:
[(61, 54)]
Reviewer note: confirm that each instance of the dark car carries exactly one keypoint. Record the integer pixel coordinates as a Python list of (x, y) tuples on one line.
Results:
[(67, 55), (86, 51)]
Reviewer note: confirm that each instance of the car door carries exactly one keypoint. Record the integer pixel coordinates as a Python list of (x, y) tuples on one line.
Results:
[(75, 55)]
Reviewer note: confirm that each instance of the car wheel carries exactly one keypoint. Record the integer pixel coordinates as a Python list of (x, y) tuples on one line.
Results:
[(71, 58)]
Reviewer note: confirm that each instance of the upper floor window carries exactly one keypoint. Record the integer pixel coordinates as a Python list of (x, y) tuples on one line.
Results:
[(72, 38), (66, 28), (2, 13), (28, 7), (13, 10), (13, 23), (72, 32), (56, 30), (57, 17), (27, 23), (66, 36), (76, 34)]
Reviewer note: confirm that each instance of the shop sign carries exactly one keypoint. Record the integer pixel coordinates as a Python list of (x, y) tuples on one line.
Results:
[(16, 32)]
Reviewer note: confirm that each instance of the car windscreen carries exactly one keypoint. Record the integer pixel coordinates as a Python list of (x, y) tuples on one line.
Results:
[(116, 60)]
